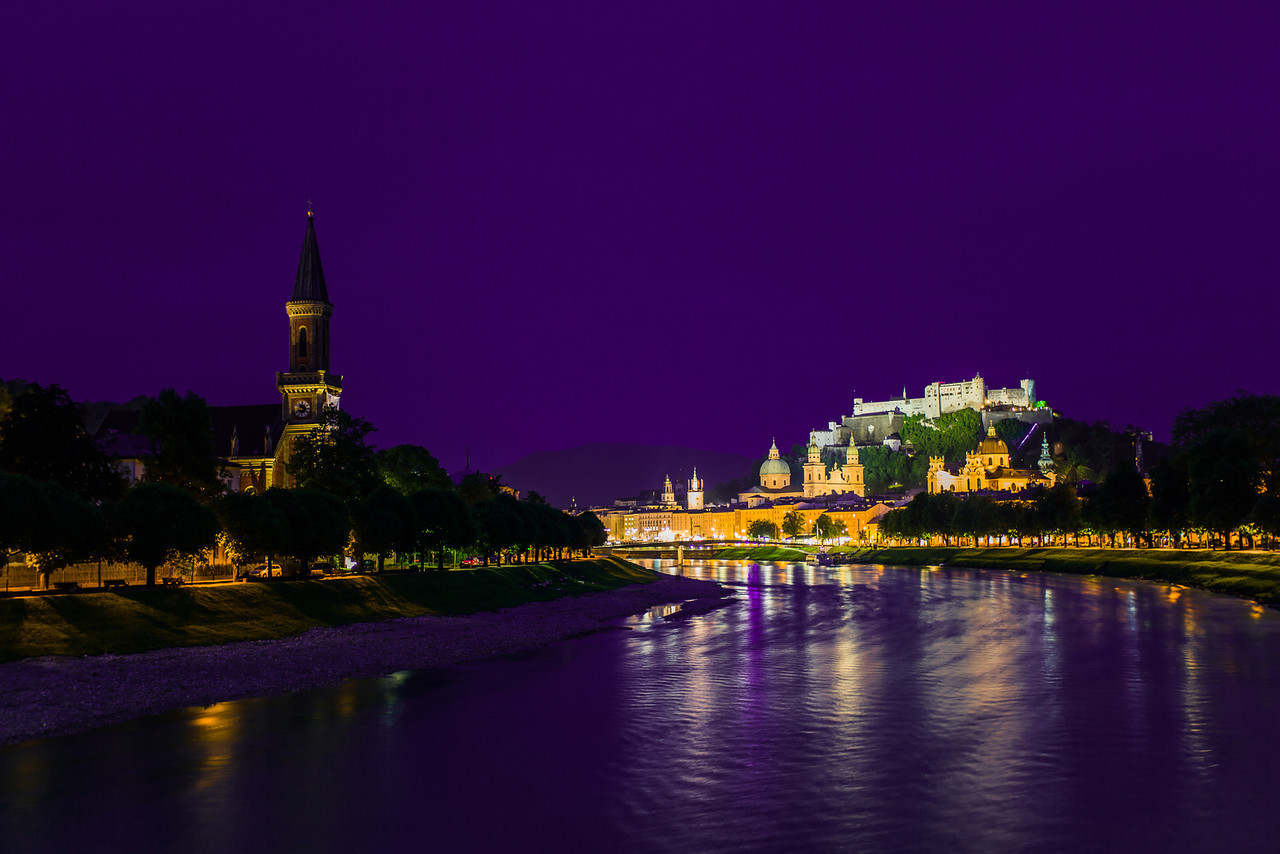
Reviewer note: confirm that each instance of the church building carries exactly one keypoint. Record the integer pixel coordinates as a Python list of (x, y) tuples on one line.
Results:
[(253, 442), (775, 476), (987, 468)]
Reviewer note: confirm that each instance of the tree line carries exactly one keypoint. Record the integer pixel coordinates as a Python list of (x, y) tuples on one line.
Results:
[(63, 502)]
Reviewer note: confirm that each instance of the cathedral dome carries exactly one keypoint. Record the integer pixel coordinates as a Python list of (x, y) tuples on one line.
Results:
[(993, 444), (772, 466)]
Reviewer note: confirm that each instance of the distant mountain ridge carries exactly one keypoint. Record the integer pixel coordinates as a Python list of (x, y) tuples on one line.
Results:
[(598, 473)]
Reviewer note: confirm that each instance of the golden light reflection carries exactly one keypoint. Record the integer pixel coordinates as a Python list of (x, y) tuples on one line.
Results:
[(215, 728)]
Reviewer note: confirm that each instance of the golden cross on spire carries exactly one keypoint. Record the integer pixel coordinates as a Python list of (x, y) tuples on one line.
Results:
[(311, 209)]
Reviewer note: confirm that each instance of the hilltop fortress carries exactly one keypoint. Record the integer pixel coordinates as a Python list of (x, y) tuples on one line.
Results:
[(872, 422), (941, 398)]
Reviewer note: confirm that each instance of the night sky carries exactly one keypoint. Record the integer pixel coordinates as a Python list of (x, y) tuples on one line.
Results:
[(701, 224)]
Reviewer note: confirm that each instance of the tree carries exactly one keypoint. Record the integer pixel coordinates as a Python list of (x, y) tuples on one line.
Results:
[(883, 468), (383, 521), (593, 528), (74, 531), (826, 528), (25, 516), (479, 486), (1059, 510), (498, 525), (316, 521), (793, 524), (253, 527), (1223, 477), (410, 468), (181, 434), (976, 516), (444, 522), (1266, 515), (1171, 497), (336, 458), (762, 529), (950, 435), (1119, 505), (43, 437), (1255, 417), (163, 523)]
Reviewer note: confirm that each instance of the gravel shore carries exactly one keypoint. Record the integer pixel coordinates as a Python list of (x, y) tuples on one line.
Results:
[(55, 695)]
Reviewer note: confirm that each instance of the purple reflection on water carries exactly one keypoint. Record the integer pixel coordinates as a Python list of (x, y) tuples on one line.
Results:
[(830, 709)]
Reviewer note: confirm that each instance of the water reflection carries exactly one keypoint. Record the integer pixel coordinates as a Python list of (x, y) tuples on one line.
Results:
[(829, 708)]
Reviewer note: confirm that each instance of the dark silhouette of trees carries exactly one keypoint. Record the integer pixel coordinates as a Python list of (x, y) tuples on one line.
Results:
[(381, 522), (411, 468), (316, 524), (337, 458), (181, 434), (43, 436), (444, 522), (1171, 497), (253, 527), (1223, 480), (163, 522)]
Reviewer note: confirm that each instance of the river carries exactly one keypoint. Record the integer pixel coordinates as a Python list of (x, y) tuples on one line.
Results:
[(829, 709)]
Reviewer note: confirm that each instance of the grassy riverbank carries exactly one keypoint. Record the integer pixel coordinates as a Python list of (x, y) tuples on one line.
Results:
[(137, 619), (753, 553), (1249, 575)]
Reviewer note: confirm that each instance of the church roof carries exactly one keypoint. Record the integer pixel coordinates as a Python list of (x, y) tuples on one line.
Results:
[(309, 285), (250, 424)]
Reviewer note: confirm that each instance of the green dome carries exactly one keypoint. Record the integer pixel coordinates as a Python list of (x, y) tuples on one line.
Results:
[(775, 467)]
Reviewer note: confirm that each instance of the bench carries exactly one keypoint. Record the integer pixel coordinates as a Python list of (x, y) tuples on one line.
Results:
[(171, 580), (115, 582), (66, 586)]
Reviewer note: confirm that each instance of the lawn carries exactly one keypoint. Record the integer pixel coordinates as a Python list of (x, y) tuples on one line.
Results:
[(138, 618)]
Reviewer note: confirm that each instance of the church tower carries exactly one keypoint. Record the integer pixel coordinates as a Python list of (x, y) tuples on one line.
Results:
[(854, 473), (308, 387), (695, 493), (815, 470), (668, 492)]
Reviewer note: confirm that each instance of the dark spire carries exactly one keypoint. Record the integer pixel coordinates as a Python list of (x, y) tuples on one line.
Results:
[(309, 286)]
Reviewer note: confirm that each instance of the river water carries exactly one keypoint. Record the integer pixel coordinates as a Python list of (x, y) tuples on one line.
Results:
[(829, 709)]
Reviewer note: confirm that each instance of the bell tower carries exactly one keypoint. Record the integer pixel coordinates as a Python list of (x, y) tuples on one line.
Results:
[(308, 387), (815, 471)]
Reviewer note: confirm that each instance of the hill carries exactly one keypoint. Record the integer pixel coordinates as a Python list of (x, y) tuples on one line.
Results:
[(598, 473)]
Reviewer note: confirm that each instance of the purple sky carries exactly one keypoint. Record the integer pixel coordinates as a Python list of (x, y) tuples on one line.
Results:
[(699, 224)]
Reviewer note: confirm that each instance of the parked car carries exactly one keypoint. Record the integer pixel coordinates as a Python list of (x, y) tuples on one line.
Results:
[(472, 561)]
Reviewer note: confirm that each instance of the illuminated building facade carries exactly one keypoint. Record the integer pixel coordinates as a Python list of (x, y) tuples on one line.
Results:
[(987, 468), (860, 517)]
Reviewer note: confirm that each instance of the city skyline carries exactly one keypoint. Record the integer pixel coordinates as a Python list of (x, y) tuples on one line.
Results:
[(707, 227)]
